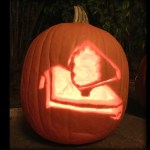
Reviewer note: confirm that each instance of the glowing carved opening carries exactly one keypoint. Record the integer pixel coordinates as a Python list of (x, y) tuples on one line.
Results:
[(86, 68), (64, 88)]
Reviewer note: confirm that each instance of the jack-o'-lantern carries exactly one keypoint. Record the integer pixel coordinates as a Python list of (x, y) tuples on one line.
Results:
[(74, 85)]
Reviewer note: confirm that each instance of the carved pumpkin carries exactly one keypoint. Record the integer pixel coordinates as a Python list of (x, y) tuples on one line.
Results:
[(140, 82), (74, 83)]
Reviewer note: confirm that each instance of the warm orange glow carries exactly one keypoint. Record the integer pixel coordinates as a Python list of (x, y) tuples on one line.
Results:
[(114, 113), (64, 87), (85, 66), (42, 82)]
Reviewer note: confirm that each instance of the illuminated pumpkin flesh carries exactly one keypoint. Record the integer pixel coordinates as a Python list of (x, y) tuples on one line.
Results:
[(74, 83)]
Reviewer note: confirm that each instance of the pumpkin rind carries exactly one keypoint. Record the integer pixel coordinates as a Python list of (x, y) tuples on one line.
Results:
[(51, 48)]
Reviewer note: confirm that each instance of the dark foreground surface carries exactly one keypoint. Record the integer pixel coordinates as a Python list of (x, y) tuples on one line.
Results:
[(130, 135)]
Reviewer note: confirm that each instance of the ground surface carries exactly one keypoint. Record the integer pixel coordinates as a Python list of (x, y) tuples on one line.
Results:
[(130, 135)]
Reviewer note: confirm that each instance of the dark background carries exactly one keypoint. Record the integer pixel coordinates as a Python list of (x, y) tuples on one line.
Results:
[(125, 20)]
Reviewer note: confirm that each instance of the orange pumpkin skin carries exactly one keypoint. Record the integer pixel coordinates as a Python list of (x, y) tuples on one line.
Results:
[(71, 124)]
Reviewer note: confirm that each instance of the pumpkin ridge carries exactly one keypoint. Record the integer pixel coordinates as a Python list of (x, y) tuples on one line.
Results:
[(103, 47), (49, 54), (36, 82), (117, 47), (46, 37), (122, 53), (29, 80), (62, 47), (39, 68), (113, 41)]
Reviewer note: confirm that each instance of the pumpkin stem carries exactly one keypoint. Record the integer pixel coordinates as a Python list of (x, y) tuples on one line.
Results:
[(80, 15)]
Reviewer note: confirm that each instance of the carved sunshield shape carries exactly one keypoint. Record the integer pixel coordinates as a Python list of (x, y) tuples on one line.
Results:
[(83, 85)]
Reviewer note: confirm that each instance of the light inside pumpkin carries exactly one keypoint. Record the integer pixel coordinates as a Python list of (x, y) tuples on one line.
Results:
[(66, 86), (87, 66)]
